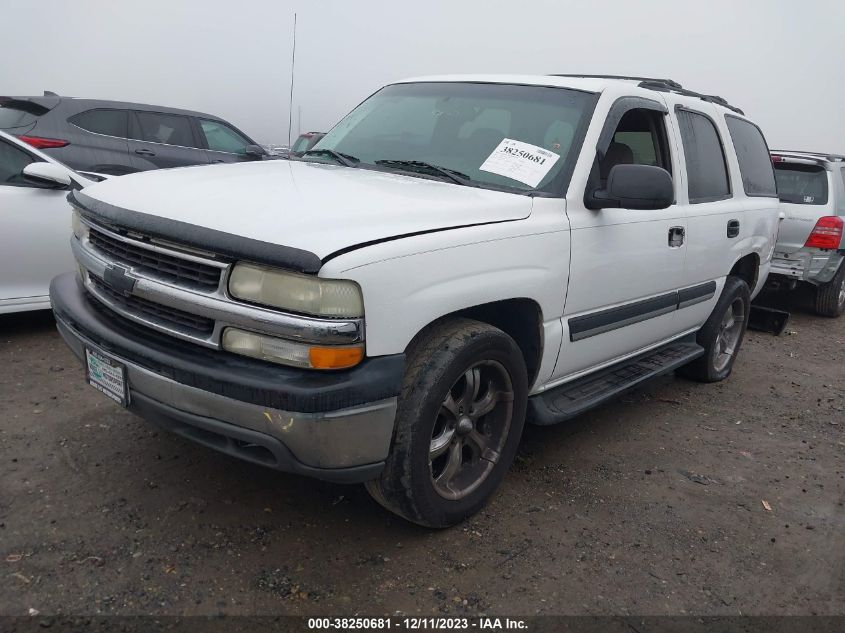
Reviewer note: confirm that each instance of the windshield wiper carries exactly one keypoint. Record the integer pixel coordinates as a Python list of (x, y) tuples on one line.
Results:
[(418, 165), (344, 159)]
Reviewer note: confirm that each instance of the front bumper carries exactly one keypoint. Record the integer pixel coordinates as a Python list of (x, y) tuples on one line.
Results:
[(811, 264), (335, 426)]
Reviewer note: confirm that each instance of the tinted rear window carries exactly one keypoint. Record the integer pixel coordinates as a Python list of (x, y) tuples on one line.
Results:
[(801, 184), (171, 129), (15, 115), (706, 169), (755, 164), (109, 122)]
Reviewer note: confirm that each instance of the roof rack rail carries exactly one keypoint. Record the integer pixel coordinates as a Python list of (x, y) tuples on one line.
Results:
[(831, 157), (661, 86), (667, 82)]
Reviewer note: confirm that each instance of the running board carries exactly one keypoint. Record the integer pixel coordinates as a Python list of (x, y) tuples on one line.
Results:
[(573, 398)]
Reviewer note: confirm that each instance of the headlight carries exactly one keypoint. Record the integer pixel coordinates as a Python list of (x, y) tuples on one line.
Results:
[(80, 229), (282, 351), (306, 294)]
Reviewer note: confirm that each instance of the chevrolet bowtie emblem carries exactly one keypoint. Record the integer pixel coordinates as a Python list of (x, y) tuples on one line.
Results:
[(118, 279)]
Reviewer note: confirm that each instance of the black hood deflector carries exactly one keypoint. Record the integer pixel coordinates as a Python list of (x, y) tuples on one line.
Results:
[(235, 247)]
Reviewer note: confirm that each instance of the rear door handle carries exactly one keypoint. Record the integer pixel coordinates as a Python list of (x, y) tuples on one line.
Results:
[(733, 228), (145, 152), (217, 160), (676, 237)]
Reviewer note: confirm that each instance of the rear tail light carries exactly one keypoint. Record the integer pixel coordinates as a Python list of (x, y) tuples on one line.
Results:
[(827, 233), (39, 142)]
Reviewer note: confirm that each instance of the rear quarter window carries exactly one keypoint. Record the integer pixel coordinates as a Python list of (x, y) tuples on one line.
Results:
[(755, 163), (108, 122)]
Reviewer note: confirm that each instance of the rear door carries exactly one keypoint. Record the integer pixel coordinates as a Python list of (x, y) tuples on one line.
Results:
[(159, 140), (222, 142), (35, 229), (98, 142), (805, 188)]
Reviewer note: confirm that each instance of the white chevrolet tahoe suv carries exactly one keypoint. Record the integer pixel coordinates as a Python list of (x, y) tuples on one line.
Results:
[(811, 248), (458, 254)]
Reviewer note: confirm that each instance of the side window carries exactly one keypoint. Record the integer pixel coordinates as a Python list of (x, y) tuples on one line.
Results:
[(755, 163), (12, 162), (707, 170), (639, 139), (221, 138), (842, 173), (109, 122), (171, 129)]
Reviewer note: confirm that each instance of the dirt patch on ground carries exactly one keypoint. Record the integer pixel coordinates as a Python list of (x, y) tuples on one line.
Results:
[(677, 498)]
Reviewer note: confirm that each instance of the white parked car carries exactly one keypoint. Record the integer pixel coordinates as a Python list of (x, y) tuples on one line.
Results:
[(811, 246), (457, 252), (35, 223)]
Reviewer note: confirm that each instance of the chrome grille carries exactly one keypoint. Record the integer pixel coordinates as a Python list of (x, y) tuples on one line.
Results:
[(181, 291), (167, 267), (154, 312)]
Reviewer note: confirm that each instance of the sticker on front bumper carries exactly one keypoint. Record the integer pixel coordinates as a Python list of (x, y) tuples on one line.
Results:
[(106, 375)]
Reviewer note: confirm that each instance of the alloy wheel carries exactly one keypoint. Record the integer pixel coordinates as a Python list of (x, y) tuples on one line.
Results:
[(471, 429)]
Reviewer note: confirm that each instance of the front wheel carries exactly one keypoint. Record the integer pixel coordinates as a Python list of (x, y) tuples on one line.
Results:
[(830, 297), (722, 334), (458, 424)]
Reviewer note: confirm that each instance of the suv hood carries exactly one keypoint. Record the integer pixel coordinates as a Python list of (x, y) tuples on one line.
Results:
[(312, 207)]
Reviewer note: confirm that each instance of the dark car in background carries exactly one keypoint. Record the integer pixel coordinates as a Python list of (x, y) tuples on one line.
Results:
[(306, 141), (114, 137)]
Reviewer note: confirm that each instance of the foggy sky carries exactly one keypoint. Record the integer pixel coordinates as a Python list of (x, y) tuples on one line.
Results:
[(779, 60)]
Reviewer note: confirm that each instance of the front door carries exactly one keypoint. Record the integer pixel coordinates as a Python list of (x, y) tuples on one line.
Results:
[(627, 264), (36, 225)]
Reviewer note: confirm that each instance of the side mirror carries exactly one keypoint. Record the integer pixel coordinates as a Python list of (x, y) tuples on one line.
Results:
[(636, 187), (256, 150), (47, 175)]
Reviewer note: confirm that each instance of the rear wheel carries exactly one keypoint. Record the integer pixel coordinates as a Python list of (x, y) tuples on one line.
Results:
[(722, 334), (830, 297), (460, 417)]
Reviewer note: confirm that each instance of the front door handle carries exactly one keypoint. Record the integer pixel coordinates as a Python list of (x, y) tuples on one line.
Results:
[(145, 152), (733, 228), (676, 237)]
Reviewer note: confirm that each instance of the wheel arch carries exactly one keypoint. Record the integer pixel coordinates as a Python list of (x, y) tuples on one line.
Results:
[(747, 268), (519, 318)]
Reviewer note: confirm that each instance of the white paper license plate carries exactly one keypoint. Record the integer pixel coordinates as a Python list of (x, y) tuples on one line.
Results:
[(106, 375)]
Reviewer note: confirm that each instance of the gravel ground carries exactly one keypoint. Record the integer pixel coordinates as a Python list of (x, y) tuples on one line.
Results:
[(678, 498)]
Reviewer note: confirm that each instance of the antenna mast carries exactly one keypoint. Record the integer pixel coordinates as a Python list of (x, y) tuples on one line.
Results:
[(292, 62)]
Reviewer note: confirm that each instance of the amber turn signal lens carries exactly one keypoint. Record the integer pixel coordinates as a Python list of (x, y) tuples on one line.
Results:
[(335, 357)]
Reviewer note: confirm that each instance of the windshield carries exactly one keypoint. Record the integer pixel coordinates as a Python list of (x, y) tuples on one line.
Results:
[(497, 135), (801, 184), (301, 144)]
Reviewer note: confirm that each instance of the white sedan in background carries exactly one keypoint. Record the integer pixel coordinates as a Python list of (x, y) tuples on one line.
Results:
[(35, 224)]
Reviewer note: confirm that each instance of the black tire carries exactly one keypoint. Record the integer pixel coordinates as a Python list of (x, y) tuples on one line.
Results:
[(437, 363), (713, 366), (830, 297)]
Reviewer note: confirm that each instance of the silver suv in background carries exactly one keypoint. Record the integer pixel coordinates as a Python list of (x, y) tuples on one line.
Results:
[(810, 248), (116, 138)]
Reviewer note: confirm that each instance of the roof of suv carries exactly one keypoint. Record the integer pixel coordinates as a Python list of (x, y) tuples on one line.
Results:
[(816, 156), (51, 100), (591, 83)]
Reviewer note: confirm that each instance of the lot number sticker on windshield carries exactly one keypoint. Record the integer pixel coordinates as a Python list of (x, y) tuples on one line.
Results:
[(520, 161)]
